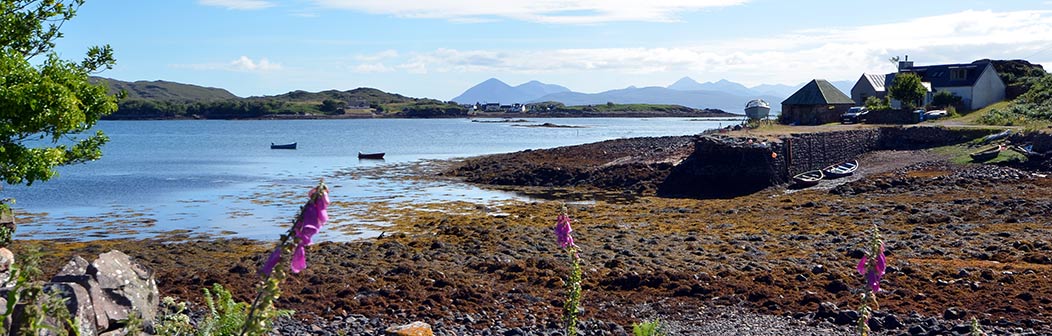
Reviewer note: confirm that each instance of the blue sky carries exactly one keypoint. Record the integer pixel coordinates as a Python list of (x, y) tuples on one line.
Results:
[(439, 48)]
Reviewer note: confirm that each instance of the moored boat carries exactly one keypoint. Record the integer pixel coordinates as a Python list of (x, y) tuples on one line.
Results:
[(841, 169), (808, 179), (283, 146), (987, 154), (757, 109), (370, 156)]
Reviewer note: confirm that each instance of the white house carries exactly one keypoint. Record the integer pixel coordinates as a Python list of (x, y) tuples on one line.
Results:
[(976, 83)]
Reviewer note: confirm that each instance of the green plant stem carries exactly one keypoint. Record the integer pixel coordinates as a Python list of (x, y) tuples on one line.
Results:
[(573, 301)]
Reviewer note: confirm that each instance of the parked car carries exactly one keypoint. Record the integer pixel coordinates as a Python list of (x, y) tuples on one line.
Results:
[(935, 114), (854, 115)]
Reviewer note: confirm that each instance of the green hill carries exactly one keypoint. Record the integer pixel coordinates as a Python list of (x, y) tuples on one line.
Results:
[(368, 96), (164, 90)]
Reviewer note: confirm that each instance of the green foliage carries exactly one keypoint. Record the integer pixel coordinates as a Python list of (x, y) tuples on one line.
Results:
[(573, 287), (650, 328), (1034, 106), (976, 330), (45, 103), (224, 316), (877, 104), (163, 90), (173, 320), (944, 99), (39, 307), (908, 89), (432, 109)]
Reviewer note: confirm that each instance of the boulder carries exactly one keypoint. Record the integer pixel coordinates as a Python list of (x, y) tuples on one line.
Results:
[(6, 260), (75, 271), (125, 286), (413, 329), (78, 302)]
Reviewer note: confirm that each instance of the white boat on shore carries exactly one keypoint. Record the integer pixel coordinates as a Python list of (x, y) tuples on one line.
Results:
[(757, 109)]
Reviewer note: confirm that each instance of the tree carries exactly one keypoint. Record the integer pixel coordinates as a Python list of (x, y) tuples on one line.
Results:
[(45, 101), (908, 89), (877, 104), (944, 98)]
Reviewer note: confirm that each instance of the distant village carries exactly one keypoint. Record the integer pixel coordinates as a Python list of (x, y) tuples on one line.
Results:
[(506, 108)]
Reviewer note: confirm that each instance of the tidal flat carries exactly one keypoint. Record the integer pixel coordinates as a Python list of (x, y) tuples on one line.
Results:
[(963, 241)]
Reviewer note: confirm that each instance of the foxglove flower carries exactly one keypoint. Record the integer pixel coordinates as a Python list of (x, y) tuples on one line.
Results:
[(873, 271), (312, 218), (562, 232)]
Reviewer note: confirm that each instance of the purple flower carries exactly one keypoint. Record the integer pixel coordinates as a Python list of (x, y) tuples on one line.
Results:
[(313, 217), (873, 271), (562, 232)]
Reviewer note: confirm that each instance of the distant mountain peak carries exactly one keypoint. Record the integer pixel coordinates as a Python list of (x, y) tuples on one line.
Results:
[(496, 91)]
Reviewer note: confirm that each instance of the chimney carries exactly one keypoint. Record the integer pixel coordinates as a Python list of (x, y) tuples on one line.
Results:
[(905, 64)]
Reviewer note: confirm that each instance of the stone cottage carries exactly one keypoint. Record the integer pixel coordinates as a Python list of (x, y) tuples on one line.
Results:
[(818, 102)]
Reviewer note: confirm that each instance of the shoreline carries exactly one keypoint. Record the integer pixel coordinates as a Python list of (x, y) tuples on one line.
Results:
[(772, 253), (642, 114)]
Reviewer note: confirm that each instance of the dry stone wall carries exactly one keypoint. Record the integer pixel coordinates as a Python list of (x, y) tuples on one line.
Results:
[(723, 167)]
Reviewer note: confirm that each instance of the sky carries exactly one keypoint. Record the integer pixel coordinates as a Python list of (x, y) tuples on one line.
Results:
[(439, 48)]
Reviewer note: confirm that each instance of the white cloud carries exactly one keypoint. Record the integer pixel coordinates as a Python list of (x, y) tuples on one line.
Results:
[(835, 53), (238, 4), (379, 56), (371, 68), (242, 64), (547, 11)]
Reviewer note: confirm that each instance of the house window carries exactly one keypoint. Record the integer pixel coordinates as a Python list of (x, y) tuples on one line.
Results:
[(958, 74)]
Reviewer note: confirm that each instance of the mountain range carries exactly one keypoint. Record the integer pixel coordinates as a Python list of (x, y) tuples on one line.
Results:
[(494, 90), (723, 94)]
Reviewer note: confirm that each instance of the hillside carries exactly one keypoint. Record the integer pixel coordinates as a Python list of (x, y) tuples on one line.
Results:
[(368, 96), (164, 90)]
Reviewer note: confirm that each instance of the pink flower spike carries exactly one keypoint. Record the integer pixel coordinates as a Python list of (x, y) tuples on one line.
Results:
[(562, 232), (271, 262), (862, 265), (299, 259)]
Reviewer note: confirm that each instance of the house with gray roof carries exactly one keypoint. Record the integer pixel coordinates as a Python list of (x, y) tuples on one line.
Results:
[(869, 85), (976, 83), (818, 102)]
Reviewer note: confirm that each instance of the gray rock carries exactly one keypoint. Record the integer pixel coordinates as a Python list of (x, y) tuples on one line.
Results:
[(75, 271), (76, 266), (126, 286), (6, 260), (78, 302)]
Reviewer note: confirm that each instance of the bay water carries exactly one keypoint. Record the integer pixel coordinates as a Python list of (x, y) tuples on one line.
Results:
[(215, 179)]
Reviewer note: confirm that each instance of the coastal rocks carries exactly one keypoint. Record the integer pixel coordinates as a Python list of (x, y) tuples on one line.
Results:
[(6, 260), (129, 286), (637, 165), (102, 294), (413, 329)]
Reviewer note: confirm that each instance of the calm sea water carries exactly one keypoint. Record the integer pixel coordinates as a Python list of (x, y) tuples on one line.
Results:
[(221, 179)]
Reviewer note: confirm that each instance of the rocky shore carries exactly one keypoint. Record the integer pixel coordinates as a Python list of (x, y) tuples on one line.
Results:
[(963, 241)]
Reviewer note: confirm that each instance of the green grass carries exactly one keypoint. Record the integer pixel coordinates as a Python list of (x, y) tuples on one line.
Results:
[(959, 154), (973, 117)]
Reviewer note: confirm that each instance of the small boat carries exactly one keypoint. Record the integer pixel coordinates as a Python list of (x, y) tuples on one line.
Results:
[(370, 156), (997, 136), (283, 146), (757, 109), (986, 154), (808, 179), (841, 169)]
